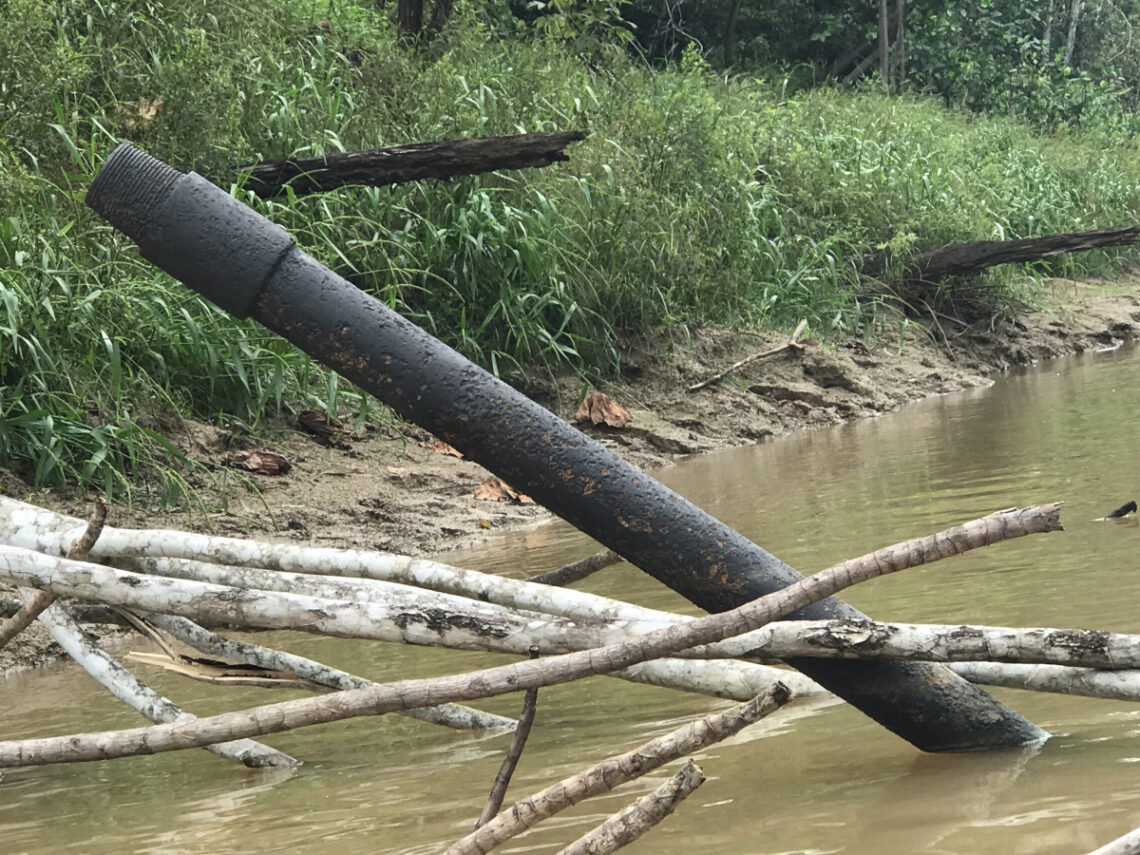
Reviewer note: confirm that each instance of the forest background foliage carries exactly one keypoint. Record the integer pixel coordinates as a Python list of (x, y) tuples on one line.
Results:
[(744, 196)]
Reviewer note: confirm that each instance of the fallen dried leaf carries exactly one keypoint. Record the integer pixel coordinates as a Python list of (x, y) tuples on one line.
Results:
[(141, 117), (320, 423), (261, 461), (441, 447), (495, 489), (598, 407)]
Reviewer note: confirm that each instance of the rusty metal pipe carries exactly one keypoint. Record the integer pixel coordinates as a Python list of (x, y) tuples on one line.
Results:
[(250, 267)]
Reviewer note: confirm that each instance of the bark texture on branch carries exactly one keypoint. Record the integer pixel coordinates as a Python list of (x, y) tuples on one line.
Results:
[(637, 818), (960, 259), (406, 694), (381, 167), (1062, 679), (130, 690), (857, 638), (618, 770)]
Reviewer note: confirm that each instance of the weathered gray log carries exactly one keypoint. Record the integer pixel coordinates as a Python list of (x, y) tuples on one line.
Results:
[(381, 167), (251, 268), (961, 259)]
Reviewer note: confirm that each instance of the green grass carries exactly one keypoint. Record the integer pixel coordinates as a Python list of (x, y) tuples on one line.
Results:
[(695, 200)]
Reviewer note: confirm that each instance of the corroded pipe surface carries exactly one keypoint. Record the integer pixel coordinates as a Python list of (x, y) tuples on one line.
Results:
[(250, 267)]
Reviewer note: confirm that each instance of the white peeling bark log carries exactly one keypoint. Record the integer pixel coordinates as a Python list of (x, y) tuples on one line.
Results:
[(36, 528), (1089, 682), (130, 690), (426, 619), (185, 630), (632, 821), (615, 771), (406, 694), (1129, 844), (867, 639)]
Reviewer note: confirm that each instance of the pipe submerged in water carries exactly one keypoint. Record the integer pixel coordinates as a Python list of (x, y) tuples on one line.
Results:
[(251, 267)]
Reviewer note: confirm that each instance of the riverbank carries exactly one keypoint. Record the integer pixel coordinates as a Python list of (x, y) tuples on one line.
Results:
[(393, 492)]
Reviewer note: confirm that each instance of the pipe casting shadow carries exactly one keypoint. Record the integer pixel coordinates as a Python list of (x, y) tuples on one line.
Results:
[(251, 268)]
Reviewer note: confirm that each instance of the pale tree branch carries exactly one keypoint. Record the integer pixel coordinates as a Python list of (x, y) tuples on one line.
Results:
[(42, 599), (618, 770), (275, 718), (185, 630), (1129, 844), (638, 817), (130, 690), (1121, 685)]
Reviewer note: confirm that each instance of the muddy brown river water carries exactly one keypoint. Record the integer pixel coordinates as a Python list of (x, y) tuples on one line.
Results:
[(815, 778)]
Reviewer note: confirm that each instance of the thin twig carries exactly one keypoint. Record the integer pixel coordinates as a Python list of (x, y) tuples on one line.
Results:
[(792, 344), (577, 570), (518, 743), (613, 772), (79, 551), (635, 819)]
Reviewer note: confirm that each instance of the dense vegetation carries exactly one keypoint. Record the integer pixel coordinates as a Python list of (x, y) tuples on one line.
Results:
[(700, 197)]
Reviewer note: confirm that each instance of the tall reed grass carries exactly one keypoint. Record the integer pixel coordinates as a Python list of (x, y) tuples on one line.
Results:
[(696, 199)]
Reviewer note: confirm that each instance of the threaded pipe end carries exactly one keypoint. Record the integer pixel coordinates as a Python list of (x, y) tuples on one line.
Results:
[(129, 187)]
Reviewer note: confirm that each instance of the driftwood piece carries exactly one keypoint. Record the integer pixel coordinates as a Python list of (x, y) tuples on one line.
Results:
[(406, 694), (633, 821), (577, 570), (42, 600), (380, 167), (792, 343), (130, 690), (618, 770), (1122, 685), (1129, 844), (188, 632), (959, 259)]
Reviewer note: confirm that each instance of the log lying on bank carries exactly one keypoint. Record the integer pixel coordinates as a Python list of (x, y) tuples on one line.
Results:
[(381, 167), (964, 259)]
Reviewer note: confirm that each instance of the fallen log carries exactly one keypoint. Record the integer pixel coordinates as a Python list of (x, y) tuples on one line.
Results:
[(381, 167), (407, 694), (963, 259)]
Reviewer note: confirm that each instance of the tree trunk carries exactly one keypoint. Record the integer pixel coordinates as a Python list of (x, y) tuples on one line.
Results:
[(884, 47), (440, 15), (900, 46), (1047, 35), (861, 69), (846, 59), (410, 17), (1071, 40), (730, 33), (379, 167)]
